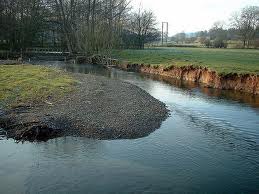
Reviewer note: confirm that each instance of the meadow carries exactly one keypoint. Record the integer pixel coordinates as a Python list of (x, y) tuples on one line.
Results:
[(223, 61)]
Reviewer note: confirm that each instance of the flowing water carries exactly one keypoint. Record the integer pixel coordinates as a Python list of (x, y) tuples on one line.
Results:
[(210, 144)]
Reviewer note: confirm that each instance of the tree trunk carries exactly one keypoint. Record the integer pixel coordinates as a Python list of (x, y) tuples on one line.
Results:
[(64, 25)]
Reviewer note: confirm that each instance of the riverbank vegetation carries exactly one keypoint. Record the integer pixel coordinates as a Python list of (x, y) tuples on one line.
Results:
[(28, 84), (76, 26), (223, 61), (98, 26)]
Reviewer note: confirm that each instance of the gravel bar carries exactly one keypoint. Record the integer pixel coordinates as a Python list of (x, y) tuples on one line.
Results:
[(99, 108)]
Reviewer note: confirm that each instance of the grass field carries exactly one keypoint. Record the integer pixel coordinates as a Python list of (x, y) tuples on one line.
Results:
[(221, 60), (28, 84)]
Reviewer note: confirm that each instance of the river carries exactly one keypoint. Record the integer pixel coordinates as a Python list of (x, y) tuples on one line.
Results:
[(209, 144)]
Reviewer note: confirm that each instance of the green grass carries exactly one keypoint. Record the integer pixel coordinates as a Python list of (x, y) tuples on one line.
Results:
[(223, 61), (22, 84)]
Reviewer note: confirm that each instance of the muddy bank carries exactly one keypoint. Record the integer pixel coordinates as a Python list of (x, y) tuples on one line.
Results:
[(244, 83), (99, 108)]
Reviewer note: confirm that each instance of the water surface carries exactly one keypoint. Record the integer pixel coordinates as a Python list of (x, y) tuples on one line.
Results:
[(210, 144)]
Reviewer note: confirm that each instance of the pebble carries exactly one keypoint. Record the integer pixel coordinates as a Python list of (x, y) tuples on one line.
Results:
[(100, 108)]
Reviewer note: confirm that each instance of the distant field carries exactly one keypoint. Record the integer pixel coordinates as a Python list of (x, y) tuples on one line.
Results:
[(221, 60)]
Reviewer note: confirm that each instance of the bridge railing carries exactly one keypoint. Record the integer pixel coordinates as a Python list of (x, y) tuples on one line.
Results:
[(45, 50)]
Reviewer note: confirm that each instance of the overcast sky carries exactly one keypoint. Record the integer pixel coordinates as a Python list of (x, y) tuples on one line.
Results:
[(193, 15)]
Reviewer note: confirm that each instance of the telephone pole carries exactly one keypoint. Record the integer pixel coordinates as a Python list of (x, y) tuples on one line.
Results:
[(164, 32)]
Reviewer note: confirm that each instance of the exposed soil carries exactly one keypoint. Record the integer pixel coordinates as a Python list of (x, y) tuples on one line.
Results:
[(99, 108), (244, 83)]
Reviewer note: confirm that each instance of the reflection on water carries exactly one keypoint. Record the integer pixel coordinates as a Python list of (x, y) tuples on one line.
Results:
[(237, 96), (208, 145)]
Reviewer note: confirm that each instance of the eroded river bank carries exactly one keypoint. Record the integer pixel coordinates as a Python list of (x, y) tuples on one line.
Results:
[(248, 83)]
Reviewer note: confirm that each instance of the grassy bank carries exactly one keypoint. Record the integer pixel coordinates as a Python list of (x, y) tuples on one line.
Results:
[(23, 84), (221, 60)]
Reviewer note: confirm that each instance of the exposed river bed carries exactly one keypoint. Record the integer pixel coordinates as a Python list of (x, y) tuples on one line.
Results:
[(209, 144)]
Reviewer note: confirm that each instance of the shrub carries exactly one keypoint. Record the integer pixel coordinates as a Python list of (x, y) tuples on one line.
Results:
[(219, 43), (156, 66), (207, 43)]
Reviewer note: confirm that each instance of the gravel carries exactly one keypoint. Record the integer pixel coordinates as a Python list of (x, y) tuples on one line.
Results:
[(99, 108)]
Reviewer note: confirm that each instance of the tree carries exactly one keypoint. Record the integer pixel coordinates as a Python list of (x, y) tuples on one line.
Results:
[(246, 22), (20, 22), (91, 25), (84, 26), (207, 43), (181, 37), (202, 37), (143, 24), (217, 31), (218, 35)]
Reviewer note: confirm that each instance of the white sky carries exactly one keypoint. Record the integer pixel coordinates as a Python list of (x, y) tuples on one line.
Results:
[(193, 15)]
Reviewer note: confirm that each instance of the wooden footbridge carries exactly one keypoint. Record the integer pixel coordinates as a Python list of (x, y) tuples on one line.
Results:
[(37, 54)]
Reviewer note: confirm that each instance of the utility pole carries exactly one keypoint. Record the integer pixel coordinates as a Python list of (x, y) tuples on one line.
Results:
[(164, 32)]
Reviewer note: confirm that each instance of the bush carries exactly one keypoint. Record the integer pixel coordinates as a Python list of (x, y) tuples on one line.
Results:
[(182, 45), (207, 43), (156, 66), (219, 43)]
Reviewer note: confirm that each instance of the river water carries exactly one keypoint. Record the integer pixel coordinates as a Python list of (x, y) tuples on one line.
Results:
[(210, 144)]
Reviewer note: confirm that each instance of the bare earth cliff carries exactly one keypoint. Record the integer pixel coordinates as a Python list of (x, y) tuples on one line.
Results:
[(244, 83)]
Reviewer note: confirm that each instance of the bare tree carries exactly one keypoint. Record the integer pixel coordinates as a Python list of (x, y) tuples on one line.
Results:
[(246, 22), (91, 25), (79, 26), (143, 24), (20, 22)]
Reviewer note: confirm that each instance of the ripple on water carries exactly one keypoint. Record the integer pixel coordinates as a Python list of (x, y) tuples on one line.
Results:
[(234, 139), (208, 145)]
